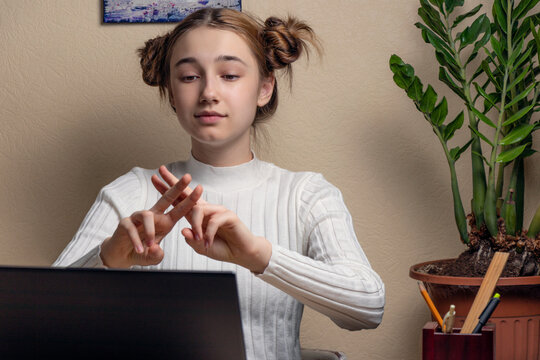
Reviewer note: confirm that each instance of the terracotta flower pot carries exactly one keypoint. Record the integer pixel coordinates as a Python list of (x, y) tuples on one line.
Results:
[(517, 318)]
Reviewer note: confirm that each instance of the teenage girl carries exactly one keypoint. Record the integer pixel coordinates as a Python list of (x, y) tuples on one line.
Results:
[(288, 236)]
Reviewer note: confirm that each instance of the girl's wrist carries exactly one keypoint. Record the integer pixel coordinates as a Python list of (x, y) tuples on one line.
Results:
[(261, 256), (107, 256)]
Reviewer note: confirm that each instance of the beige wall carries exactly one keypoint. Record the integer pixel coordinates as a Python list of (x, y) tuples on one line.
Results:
[(75, 115)]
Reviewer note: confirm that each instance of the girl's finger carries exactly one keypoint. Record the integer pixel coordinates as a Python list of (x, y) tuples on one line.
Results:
[(130, 229), (185, 206), (171, 195), (146, 218), (162, 188), (197, 245), (167, 175), (196, 217), (159, 185), (214, 223)]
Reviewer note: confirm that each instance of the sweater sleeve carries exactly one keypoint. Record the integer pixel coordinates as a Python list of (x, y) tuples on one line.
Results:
[(335, 278), (115, 201)]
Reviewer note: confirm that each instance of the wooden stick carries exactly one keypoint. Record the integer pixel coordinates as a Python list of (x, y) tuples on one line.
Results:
[(486, 290)]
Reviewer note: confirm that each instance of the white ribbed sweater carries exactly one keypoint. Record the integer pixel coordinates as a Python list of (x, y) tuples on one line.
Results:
[(316, 259)]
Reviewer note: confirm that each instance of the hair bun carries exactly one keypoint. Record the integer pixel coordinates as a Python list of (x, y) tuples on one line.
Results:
[(285, 41), (152, 60)]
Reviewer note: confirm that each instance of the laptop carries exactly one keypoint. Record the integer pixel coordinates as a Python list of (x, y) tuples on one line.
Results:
[(51, 313)]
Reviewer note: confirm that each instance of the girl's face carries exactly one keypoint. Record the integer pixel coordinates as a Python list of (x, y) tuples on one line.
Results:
[(215, 86)]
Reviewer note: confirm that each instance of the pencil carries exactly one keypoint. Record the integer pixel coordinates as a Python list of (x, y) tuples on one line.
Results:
[(432, 307)]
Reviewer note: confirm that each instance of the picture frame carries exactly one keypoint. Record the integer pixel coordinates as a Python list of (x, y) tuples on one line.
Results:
[(158, 11)]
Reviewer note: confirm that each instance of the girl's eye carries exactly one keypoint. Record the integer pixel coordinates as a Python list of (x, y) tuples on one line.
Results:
[(230, 77), (189, 78)]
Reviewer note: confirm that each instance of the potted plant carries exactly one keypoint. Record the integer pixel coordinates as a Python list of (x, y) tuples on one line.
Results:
[(492, 65)]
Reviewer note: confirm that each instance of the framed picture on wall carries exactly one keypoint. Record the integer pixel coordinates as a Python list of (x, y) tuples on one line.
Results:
[(152, 11)]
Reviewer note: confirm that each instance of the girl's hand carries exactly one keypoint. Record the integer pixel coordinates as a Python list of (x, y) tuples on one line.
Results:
[(137, 237), (218, 233)]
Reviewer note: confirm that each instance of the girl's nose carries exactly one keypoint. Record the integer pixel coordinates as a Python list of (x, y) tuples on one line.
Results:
[(209, 92)]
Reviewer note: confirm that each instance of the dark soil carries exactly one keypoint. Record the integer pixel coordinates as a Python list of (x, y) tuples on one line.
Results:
[(473, 263), (523, 259)]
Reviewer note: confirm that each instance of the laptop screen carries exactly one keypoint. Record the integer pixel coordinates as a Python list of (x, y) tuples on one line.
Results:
[(75, 313)]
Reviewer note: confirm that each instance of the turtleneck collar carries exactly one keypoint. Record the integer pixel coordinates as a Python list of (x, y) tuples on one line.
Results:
[(225, 178)]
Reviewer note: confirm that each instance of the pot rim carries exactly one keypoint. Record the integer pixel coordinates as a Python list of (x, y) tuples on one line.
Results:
[(463, 280)]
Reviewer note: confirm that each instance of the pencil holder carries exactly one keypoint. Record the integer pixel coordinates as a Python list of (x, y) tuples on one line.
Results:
[(437, 345)]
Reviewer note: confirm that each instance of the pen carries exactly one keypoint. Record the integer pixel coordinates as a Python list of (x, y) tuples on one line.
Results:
[(430, 304), (448, 320), (486, 314)]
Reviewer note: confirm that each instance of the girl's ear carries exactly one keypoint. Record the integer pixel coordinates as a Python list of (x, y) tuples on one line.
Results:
[(266, 90)]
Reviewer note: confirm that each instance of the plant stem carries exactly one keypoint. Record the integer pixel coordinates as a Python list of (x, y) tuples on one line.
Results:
[(534, 228), (520, 193), (490, 207), (478, 171), (459, 211), (508, 210)]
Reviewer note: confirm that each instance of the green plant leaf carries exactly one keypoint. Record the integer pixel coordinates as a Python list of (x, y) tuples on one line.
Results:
[(481, 156), (523, 8), (496, 46), (401, 81), (518, 115), (439, 113), (445, 78), (427, 103), (433, 39), (456, 152), (415, 89), (525, 56), (454, 125), (450, 65), (481, 136), (451, 4), (403, 73), (525, 27), (499, 16), (437, 3), (479, 71), (473, 56), (518, 79), (509, 155), (483, 118), (482, 42), (491, 77), (471, 33), (485, 95), (432, 18), (517, 134), (460, 18), (489, 104), (520, 96), (396, 63), (515, 53), (536, 38)]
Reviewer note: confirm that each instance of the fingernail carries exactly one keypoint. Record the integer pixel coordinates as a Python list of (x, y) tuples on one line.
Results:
[(197, 237), (206, 244), (140, 249)]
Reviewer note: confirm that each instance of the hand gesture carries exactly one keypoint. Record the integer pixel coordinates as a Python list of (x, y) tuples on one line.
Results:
[(218, 232), (137, 237)]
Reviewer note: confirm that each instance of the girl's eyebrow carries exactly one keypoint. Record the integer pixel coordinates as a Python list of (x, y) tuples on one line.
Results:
[(221, 58), (230, 58)]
